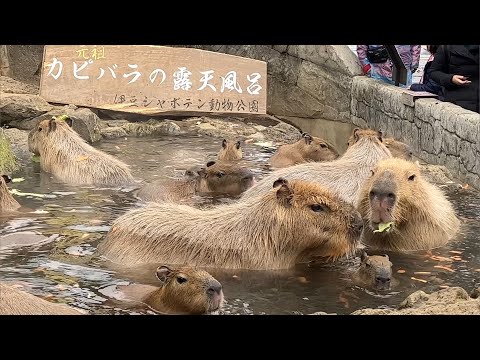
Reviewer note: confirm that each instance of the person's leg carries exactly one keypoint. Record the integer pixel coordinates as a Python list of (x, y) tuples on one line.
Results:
[(376, 75)]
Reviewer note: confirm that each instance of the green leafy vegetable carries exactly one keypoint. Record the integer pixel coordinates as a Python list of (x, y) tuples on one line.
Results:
[(17, 180), (384, 227)]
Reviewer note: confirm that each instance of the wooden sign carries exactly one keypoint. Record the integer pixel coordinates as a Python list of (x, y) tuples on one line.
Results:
[(153, 80)]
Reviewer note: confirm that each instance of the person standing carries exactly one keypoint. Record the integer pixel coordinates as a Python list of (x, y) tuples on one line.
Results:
[(456, 68), (377, 64)]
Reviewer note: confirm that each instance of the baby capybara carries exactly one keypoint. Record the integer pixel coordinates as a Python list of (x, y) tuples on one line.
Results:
[(230, 151)]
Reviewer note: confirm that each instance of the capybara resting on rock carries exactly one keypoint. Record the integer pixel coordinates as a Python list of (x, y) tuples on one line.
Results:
[(307, 149), (230, 151), (69, 158), (217, 177), (404, 212), (17, 302), (183, 290), (343, 176), (375, 272), (7, 202), (293, 221)]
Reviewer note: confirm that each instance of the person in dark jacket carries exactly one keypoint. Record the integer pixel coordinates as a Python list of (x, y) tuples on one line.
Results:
[(427, 83), (456, 68)]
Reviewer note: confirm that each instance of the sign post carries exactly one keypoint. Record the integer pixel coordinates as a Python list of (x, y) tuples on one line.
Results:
[(153, 80)]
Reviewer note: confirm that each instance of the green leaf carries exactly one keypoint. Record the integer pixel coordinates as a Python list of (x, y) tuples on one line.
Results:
[(17, 180), (62, 117), (384, 227), (35, 158)]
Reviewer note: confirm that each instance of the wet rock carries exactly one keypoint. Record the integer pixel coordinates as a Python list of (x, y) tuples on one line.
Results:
[(113, 132), (30, 123), (167, 128), (86, 124), (139, 129), (450, 301), (437, 174), (24, 238), (9, 85), (21, 106)]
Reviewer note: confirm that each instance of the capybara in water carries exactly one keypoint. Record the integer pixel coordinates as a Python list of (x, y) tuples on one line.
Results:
[(185, 290), (402, 211), (294, 220), (397, 148), (307, 149), (17, 302), (375, 272), (7, 202), (343, 176), (217, 177), (230, 151), (69, 158)]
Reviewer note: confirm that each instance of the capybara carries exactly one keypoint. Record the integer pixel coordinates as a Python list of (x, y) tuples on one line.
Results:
[(69, 158), (397, 148), (343, 176), (185, 290), (307, 149), (402, 211), (7, 202), (230, 151), (292, 221), (375, 272), (17, 302), (216, 177)]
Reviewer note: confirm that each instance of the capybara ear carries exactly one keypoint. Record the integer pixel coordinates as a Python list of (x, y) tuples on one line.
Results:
[(210, 163), (202, 172), (364, 256), (69, 121), (6, 178), (386, 257), (284, 192), (418, 164), (308, 138), (355, 135), (237, 145), (163, 273), (224, 143), (52, 125), (372, 172), (380, 135)]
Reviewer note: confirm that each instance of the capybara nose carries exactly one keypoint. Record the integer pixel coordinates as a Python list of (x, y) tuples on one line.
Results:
[(380, 194), (214, 288), (383, 280)]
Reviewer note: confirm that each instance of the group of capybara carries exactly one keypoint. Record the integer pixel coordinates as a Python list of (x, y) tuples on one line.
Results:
[(315, 204)]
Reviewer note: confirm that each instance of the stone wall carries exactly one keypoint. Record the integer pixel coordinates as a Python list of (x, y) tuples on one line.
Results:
[(439, 132)]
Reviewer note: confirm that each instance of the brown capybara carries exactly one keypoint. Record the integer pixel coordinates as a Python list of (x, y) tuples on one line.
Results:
[(185, 290), (7, 202), (275, 230), (375, 272), (230, 151), (217, 177), (343, 176), (17, 302), (69, 158), (307, 149), (402, 211), (397, 148)]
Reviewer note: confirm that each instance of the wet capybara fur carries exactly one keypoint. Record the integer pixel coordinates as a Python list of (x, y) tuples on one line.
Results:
[(216, 177), (7, 202), (375, 272), (307, 149), (69, 158), (17, 302), (422, 216), (397, 148), (185, 290), (230, 151), (291, 222), (344, 176)]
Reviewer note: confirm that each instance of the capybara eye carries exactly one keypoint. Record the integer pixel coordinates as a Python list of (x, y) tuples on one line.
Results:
[(39, 129), (181, 279), (411, 177), (220, 174), (367, 264), (317, 208), (323, 146)]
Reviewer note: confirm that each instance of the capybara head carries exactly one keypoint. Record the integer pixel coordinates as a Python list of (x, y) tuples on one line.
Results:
[(398, 149), (230, 150), (187, 290), (376, 271), (319, 218), (227, 178), (316, 149), (44, 130), (7, 202), (391, 190), (358, 134)]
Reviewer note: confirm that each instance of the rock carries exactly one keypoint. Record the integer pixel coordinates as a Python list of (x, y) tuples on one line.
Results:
[(25, 62), (167, 128), (8, 161), (283, 133), (19, 144), (24, 238), (9, 85), (113, 132), (139, 129), (450, 301), (21, 106), (86, 124), (475, 294), (257, 136), (29, 124), (322, 313), (437, 174)]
